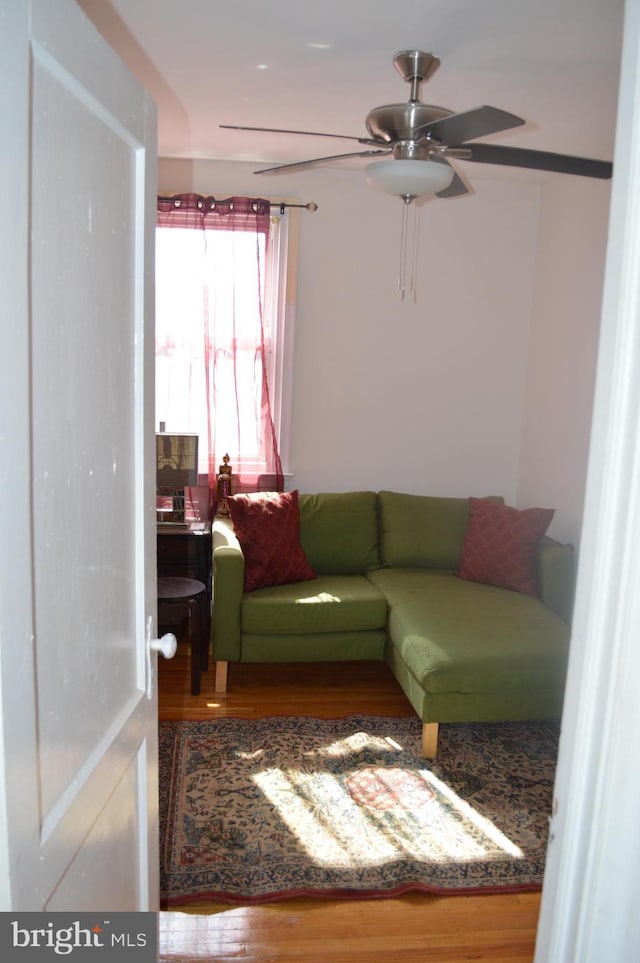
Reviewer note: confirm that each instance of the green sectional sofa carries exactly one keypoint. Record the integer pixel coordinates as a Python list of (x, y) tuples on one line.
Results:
[(386, 589)]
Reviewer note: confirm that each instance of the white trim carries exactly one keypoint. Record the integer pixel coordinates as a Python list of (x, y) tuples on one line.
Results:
[(589, 907), (16, 608)]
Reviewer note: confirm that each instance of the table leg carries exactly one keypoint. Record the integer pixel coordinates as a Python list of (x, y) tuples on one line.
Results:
[(195, 641), (204, 632)]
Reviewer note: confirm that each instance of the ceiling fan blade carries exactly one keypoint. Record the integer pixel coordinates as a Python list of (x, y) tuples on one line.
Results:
[(539, 160), (306, 133), (300, 165), (468, 125), (457, 187)]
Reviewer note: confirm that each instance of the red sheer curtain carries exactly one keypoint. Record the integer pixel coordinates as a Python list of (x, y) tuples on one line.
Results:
[(211, 335)]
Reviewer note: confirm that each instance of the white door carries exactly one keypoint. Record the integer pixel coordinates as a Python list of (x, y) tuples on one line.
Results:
[(78, 803)]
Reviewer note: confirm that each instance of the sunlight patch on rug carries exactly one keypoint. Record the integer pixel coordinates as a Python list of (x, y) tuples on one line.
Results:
[(259, 810), (377, 812)]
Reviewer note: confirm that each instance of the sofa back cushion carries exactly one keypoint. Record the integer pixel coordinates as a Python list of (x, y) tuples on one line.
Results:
[(421, 531), (339, 532), (501, 544)]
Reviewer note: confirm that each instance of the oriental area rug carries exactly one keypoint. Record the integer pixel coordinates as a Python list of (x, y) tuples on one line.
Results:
[(253, 811)]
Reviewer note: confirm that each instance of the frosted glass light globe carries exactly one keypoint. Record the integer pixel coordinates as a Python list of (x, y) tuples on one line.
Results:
[(409, 178)]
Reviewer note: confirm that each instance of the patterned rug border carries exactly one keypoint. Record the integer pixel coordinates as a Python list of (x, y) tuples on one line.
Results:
[(408, 728)]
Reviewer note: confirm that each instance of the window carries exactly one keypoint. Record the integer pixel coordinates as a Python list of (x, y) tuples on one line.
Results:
[(223, 333)]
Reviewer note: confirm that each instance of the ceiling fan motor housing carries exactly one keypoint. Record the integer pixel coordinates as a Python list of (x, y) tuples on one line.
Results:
[(394, 122)]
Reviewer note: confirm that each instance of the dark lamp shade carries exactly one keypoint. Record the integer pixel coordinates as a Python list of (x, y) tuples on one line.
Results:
[(176, 461)]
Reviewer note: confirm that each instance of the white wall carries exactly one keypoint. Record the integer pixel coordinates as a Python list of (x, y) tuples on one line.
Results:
[(425, 397), (563, 349)]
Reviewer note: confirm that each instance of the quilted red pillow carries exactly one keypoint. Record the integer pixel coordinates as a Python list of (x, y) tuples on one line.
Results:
[(500, 545), (267, 525)]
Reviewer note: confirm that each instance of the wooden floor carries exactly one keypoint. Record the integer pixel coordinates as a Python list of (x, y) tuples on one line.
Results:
[(415, 928)]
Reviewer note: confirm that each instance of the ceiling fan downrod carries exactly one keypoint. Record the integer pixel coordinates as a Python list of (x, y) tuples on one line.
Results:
[(415, 66)]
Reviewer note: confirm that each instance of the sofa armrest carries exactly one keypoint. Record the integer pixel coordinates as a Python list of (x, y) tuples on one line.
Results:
[(556, 576), (228, 589)]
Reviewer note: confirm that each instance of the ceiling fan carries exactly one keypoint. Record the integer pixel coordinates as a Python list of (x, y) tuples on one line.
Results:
[(418, 139)]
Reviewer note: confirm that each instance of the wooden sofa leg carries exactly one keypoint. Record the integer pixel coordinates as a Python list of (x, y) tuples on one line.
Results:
[(430, 740), (222, 671)]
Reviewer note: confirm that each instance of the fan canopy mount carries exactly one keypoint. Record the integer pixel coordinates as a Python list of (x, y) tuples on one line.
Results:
[(426, 134), (415, 66)]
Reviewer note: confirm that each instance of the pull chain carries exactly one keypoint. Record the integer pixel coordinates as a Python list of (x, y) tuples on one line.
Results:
[(402, 274), (409, 248)]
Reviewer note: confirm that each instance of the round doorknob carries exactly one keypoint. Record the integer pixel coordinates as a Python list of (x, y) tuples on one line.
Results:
[(166, 646)]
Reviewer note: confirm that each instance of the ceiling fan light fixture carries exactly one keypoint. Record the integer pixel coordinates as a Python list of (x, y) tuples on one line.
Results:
[(409, 178)]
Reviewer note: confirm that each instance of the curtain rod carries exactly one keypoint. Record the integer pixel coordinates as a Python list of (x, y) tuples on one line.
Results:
[(281, 205), (311, 206)]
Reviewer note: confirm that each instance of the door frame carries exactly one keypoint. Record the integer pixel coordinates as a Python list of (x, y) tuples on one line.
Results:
[(589, 910)]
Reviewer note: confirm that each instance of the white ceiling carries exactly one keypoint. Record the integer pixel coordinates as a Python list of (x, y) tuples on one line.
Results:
[(323, 65)]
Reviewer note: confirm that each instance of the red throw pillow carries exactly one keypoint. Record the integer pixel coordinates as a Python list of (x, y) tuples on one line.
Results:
[(267, 525), (500, 545)]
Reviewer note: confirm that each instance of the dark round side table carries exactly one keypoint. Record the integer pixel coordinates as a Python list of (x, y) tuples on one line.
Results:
[(192, 595)]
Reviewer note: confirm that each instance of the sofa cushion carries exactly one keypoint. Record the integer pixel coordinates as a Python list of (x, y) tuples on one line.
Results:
[(331, 603), (421, 531), (267, 525), (500, 545), (463, 637), (339, 531)]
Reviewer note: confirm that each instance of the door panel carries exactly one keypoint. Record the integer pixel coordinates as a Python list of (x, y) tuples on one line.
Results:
[(83, 421), (115, 852)]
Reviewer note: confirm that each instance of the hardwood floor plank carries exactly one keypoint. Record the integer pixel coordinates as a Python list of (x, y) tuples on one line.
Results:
[(416, 928), (407, 929)]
